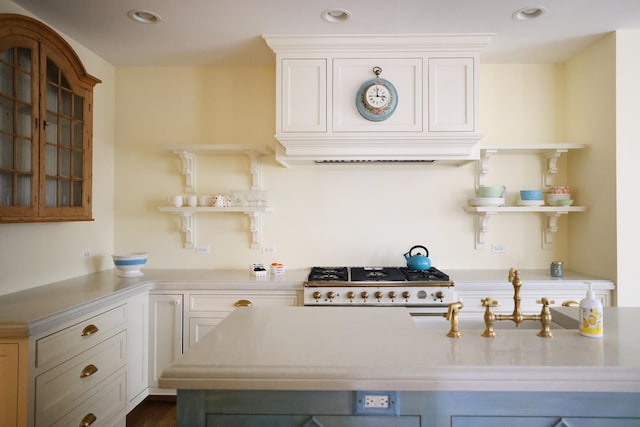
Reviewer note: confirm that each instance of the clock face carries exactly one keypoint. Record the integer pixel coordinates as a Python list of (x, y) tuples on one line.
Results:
[(377, 96), (377, 99)]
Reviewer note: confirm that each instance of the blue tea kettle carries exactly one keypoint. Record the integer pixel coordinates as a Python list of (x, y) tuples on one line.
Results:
[(418, 261)]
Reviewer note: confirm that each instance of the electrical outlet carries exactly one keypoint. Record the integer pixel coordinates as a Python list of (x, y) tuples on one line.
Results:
[(86, 253), (269, 250), (376, 402), (498, 249), (203, 250)]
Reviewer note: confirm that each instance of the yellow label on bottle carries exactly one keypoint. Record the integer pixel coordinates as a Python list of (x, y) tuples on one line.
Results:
[(590, 322)]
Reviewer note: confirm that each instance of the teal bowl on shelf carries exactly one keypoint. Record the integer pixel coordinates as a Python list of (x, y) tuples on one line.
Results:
[(531, 195)]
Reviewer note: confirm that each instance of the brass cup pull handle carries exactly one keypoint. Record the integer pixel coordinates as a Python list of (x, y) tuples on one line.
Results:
[(88, 371), (88, 420), (570, 303), (89, 330), (243, 303)]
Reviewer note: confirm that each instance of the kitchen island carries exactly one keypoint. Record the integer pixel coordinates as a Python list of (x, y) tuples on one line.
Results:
[(294, 366)]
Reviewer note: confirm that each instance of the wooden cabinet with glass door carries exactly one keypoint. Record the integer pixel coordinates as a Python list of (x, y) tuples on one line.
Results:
[(46, 99)]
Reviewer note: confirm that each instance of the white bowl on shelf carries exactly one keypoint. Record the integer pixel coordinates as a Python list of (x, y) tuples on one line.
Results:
[(530, 202), (486, 201), (130, 265)]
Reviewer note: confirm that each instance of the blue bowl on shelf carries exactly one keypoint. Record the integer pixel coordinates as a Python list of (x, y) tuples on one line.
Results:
[(531, 195)]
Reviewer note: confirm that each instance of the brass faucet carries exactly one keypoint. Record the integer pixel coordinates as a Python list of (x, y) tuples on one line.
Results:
[(490, 318), (452, 314)]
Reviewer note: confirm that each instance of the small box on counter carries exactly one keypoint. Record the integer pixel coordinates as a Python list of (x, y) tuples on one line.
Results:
[(277, 269), (258, 270)]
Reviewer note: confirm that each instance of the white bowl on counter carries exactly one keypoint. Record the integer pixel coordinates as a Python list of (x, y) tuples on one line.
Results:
[(130, 264)]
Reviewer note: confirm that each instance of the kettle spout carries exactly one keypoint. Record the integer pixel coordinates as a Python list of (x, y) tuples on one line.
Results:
[(407, 256)]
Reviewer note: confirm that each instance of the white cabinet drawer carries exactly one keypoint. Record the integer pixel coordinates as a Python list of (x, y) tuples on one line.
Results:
[(105, 407), (224, 302), (62, 345), (58, 389)]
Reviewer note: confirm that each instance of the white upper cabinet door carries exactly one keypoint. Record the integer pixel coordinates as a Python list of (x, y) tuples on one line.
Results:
[(303, 95), (405, 74), (451, 95)]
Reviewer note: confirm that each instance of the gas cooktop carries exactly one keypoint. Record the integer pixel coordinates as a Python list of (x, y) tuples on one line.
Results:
[(377, 275)]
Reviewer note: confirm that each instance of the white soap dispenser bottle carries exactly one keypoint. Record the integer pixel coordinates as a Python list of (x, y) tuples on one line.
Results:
[(591, 319)]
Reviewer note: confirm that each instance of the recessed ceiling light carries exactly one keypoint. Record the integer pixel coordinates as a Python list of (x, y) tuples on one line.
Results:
[(527, 13), (144, 16), (335, 15)]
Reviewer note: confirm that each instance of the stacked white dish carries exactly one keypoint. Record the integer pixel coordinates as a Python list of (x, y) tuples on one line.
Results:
[(487, 201)]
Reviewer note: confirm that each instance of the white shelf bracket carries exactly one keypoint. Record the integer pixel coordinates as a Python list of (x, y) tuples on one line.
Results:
[(255, 167), (188, 170), (552, 166), (482, 229), (550, 229), (187, 225), (255, 227), (482, 167)]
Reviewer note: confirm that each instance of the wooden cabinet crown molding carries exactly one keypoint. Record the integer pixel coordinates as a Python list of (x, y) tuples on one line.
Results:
[(14, 24)]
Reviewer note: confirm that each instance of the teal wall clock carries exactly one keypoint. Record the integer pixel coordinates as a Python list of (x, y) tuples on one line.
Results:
[(377, 98)]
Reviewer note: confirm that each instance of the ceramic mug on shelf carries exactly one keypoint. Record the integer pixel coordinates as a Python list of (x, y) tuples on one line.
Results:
[(192, 201), (176, 201), (205, 200)]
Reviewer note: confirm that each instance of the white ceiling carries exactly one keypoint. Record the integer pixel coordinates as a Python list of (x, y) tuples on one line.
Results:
[(229, 31)]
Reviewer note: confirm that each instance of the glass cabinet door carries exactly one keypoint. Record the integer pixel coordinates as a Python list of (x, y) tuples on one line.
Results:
[(18, 184)]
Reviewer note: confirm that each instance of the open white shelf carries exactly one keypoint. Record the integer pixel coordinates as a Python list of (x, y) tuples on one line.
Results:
[(187, 215), (551, 153)]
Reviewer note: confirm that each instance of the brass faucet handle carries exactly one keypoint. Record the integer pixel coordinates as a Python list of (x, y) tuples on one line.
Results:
[(545, 301), (512, 272), (490, 302)]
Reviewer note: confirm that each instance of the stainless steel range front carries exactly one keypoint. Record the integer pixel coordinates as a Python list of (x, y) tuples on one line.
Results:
[(422, 292)]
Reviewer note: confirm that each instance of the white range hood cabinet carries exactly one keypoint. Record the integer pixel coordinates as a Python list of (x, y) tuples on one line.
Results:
[(436, 76)]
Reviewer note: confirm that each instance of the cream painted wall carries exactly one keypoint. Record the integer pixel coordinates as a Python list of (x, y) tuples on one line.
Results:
[(340, 214), (36, 254), (627, 155), (591, 119)]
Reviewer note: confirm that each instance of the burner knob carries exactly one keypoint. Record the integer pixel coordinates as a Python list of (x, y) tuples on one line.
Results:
[(378, 295), (331, 295), (406, 294), (392, 295), (351, 295), (364, 295), (317, 295), (439, 294)]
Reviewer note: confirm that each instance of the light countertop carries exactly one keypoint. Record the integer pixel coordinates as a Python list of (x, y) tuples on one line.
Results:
[(296, 348), (25, 312)]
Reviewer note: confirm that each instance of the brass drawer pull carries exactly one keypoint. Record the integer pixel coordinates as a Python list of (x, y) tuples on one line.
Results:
[(89, 330), (88, 371), (88, 420), (243, 303)]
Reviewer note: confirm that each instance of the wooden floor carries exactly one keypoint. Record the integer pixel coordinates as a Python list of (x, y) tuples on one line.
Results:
[(155, 411)]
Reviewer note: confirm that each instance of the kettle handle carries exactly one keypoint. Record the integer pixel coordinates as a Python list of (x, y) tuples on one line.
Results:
[(419, 247)]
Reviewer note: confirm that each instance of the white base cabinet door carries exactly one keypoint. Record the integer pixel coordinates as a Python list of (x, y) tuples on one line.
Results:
[(165, 336), (137, 349)]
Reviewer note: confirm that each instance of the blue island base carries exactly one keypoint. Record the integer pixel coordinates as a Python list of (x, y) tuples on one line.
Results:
[(219, 408)]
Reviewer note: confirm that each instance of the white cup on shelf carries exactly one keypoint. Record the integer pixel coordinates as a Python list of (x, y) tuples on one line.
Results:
[(192, 201), (205, 200), (176, 201)]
